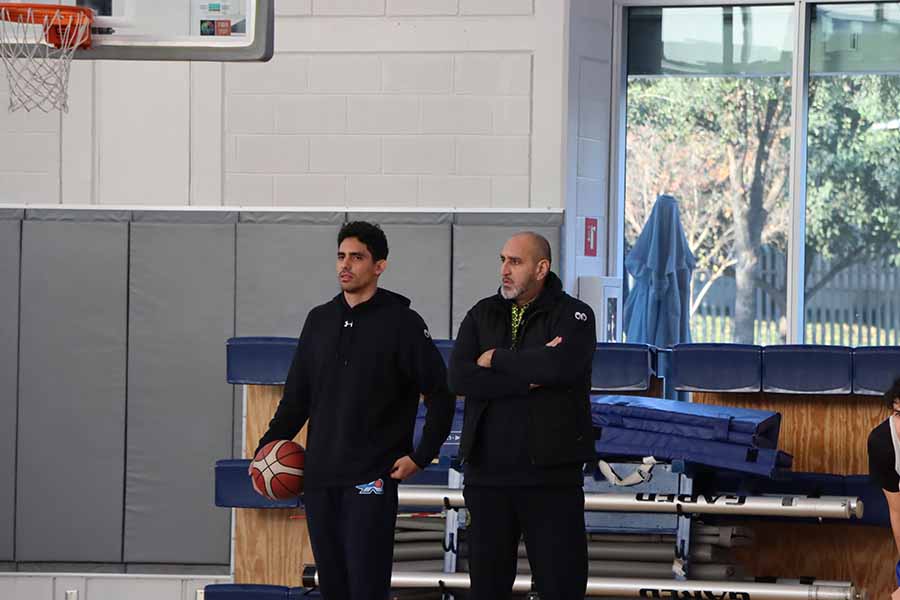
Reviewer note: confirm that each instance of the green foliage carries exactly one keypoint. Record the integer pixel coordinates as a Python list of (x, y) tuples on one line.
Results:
[(853, 192), (739, 129)]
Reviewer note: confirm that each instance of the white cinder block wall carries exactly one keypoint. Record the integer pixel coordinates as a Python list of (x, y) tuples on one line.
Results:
[(29, 154), (396, 103)]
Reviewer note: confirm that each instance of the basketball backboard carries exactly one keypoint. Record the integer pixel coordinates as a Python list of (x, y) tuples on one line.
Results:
[(179, 30)]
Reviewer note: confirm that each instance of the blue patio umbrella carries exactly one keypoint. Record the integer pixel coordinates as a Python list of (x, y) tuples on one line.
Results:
[(658, 307)]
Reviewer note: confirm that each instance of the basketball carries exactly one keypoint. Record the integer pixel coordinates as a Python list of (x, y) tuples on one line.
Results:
[(277, 470)]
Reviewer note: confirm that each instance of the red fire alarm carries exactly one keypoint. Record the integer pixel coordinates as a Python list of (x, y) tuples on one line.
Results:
[(590, 236)]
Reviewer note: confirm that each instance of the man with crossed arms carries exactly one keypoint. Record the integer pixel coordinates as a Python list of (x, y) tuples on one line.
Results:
[(522, 359)]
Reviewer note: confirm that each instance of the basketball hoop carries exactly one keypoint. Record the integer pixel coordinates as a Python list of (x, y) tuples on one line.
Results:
[(37, 43)]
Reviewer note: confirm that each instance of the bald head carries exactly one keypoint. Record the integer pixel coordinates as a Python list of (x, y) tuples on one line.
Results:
[(524, 266), (537, 245)]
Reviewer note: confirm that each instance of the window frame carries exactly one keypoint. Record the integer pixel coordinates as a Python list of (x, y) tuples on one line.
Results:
[(802, 11)]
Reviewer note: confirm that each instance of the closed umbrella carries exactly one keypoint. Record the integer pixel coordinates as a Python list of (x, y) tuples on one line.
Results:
[(657, 310)]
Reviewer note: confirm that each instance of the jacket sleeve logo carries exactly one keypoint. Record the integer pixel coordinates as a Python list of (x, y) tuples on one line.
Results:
[(580, 316)]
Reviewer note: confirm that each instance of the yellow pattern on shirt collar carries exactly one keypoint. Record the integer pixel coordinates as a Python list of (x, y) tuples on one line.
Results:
[(517, 313)]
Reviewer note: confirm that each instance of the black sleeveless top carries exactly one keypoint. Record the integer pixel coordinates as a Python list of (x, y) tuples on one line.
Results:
[(883, 458)]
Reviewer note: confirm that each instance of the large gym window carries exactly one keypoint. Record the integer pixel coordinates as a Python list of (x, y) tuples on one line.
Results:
[(852, 255), (708, 121)]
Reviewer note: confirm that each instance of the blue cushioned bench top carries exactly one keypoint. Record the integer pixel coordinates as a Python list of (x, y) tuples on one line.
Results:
[(245, 591), (622, 367), (800, 369), (259, 360), (716, 368), (234, 488), (445, 347), (807, 369), (875, 368), (450, 447), (267, 360)]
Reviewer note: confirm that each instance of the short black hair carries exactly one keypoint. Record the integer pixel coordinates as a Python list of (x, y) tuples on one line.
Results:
[(892, 394), (369, 234)]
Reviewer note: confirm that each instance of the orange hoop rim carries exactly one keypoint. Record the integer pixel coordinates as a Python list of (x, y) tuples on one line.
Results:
[(54, 15), (57, 21)]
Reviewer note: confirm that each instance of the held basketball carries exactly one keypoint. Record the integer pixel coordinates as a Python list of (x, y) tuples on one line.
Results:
[(277, 470)]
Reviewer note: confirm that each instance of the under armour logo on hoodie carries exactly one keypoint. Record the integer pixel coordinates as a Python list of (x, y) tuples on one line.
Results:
[(348, 324)]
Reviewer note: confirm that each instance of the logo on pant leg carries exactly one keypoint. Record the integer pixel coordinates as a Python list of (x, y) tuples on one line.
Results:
[(373, 487)]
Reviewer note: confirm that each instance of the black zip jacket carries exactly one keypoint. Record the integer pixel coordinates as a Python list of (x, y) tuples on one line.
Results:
[(556, 427), (357, 375)]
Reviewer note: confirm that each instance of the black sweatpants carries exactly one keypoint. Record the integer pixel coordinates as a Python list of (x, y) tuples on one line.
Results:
[(552, 521), (352, 534)]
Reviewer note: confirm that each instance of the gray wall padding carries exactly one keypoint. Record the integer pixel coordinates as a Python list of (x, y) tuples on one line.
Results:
[(418, 263), (9, 367), (186, 217), (180, 408), (519, 221), (71, 391), (196, 278), (476, 263), (75, 215), (283, 271), (272, 217)]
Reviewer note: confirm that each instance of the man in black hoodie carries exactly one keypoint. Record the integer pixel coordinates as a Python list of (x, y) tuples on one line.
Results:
[(361, 363), (522, 359)]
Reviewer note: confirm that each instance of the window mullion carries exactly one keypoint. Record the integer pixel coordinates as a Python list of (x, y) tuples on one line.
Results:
[(799, 112)]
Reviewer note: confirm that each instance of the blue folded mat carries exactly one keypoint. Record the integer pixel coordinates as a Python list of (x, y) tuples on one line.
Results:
[(745, 426), (738, 439), (765, 462)]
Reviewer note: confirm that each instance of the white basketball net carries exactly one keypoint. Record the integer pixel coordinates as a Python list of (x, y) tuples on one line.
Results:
[(37, 71)]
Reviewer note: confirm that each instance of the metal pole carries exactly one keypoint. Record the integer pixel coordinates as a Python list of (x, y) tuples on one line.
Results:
[(421, 524), (451, 525), (681, 565), (634, 551), (430, 566), (634, 588), (701, 504), (418, 536), (611, 568)]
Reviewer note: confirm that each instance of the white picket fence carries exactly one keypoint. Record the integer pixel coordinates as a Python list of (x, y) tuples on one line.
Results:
[(859, 307)]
